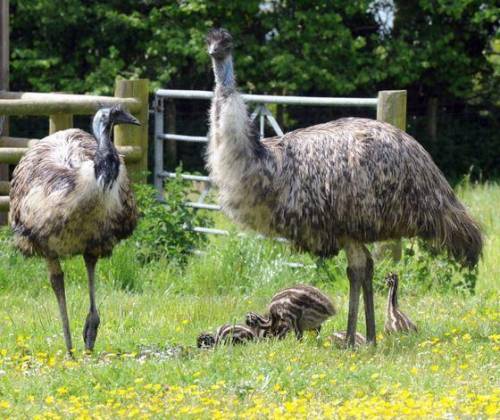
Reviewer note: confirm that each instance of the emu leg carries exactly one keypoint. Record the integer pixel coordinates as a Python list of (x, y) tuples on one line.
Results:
[(318, 331), (92, 321), (57, 283), (368, 299), (356, 269), (297, 328), (352, 317)]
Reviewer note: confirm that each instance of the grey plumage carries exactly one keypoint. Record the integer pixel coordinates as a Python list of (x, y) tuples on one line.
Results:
[(336, 185), (396, 320), (70, 195), (226, 334)]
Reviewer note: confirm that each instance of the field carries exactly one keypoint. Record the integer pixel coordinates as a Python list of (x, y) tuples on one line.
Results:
[(146, 364)]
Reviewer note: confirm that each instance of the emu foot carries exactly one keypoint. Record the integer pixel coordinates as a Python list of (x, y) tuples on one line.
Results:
[(90, 330)]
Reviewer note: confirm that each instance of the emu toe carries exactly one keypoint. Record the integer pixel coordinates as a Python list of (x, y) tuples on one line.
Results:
[(90, 330)]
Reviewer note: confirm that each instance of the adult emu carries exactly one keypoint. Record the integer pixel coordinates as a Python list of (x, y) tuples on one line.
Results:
[(70, 195), (331, 186)]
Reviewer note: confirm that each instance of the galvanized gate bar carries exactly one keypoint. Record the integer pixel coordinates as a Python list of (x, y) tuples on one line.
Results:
[(179, 137), (270, 99)]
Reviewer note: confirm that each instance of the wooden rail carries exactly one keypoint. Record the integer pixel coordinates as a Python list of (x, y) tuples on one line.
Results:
[(131, 141)]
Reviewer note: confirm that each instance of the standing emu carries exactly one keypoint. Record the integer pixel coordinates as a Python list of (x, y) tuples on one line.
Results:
[(70, 195), (337, 185)]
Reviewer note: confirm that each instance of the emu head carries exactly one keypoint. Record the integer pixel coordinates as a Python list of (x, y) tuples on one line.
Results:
[(106, 118), (252, 320), (391, 280), (205, 341), (219, 43)]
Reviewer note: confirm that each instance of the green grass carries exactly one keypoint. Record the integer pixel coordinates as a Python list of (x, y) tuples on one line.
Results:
[(450, 367)]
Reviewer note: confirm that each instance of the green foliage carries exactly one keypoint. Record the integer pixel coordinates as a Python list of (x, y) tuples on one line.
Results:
[(429, 269), (163, 229)]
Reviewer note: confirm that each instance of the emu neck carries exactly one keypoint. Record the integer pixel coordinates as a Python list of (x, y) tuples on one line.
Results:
[(224, 73), (393, 297), (106, 160)]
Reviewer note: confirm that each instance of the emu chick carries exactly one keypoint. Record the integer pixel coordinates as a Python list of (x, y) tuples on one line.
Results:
[(298, 308), (226, 334)]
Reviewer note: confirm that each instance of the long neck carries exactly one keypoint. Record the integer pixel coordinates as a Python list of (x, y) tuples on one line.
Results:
[(106, 160), (224, 73), (392, 301), (229, 117)]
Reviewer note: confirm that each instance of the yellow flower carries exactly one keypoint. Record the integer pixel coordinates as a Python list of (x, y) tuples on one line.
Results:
[(49, 400), (185, 321), (414, 370), (434, 368), (4, 404), (62, 390)]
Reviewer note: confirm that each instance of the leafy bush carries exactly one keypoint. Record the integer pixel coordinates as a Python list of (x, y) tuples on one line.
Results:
[(163, 230)]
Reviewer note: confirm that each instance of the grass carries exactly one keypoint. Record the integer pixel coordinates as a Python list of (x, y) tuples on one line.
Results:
[(145, 363)]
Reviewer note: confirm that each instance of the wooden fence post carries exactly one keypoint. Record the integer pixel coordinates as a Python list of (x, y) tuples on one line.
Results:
[(391, 108), (58, 122), (129, 135)]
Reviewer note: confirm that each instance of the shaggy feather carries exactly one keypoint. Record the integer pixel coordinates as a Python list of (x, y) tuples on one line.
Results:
[(58, 207)]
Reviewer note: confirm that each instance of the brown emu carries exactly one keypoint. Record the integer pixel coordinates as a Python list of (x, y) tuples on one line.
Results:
[(70, 195), (338, 185)]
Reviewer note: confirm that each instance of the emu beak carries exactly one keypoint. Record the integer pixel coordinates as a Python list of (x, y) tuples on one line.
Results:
[(125, 118)]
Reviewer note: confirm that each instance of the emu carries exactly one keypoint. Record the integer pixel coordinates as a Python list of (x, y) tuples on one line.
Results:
[(298, 308), (396, 320), (70, 195), (338, 185)]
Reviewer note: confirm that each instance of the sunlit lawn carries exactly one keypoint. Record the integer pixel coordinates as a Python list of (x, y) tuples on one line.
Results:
[(146, 365)]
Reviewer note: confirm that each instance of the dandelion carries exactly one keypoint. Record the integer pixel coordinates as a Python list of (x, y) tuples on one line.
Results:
[(62, 390), (49, 400), (4, 404)]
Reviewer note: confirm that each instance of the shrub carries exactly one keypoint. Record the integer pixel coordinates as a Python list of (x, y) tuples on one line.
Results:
[(163, 229)]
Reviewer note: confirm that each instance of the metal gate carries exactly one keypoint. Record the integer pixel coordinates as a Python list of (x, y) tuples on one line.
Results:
[(390, 107)]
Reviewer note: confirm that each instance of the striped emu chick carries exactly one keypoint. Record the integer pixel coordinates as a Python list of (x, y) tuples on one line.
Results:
[(299, 308), (396, 320), (339, 339), (226, 334), (259, 324)]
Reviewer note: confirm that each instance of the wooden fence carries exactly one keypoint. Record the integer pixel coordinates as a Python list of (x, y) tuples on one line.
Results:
[(131, 141)]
